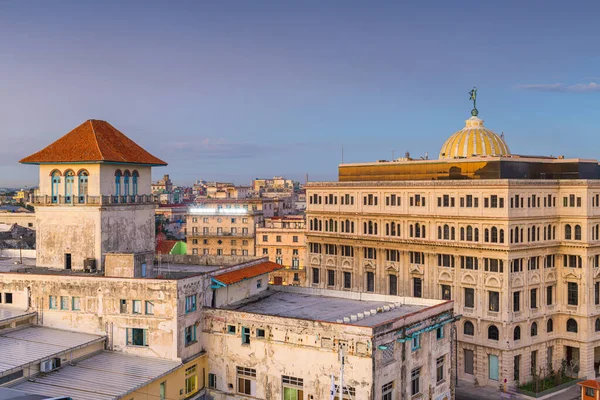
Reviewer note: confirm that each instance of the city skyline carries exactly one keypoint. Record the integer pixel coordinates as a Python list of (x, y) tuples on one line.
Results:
[(245, 91)]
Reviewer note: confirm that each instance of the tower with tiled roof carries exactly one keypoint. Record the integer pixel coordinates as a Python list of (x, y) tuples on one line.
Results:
[(94, 197)]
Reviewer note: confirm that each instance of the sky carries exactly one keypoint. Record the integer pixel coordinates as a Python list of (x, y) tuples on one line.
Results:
[(237, 90)]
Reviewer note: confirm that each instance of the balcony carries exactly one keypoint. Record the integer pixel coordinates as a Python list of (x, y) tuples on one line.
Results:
[(93, 200), (213, 232)]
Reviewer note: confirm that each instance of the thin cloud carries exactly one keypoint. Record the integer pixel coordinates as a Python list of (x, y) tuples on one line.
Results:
[(559, 87)]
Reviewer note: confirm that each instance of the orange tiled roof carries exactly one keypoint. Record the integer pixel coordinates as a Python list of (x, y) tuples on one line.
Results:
[(248, 272), (93, 141), (590, 383), (165, 246)]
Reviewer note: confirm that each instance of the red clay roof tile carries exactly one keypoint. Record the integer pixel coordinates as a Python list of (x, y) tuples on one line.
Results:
[(165, 246), (93, 141), (590, 383), (248, 272)]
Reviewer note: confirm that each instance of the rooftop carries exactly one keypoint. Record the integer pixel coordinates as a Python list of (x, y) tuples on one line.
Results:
[(93, 141), (35, 344), (359, 309), (11, 314), (104, 376), (252, 271)]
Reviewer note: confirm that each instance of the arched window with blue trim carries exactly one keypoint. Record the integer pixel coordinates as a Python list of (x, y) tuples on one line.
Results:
[(135, 177), (55, 186), (83, 185), (126, 183), (118, 183), (69, 183)]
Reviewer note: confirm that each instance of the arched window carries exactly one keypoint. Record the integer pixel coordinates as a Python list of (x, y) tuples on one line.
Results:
[(55, 186), (501, 235), (597, 325), (533, 233), (393, 230), (83, 185), (469, 233), (411, 230), (554, 232), (571, 325), (468, 328), (423, 231), (597, 231), (439, 232), (118, 183), (69, 183), (417, 230), (493, 333), (320, 225), (494, 234), (517, 235), (375, 230), (477, 234), (549, 325), (462, 233), (311, 225), (517, 333), (568, 232), (534, 329), (577, 232), (126, 184), (446, 232), (331, 225), (135, 177), (486, 235), (452, 234), (365, 228)]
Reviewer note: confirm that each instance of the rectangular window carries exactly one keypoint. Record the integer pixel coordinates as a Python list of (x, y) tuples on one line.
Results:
[(494, 301), (212, 381), (415, 377), (315, 276), (265, 238), (572, 294), (231, 329), (469, 361), (597, 293), (292, 388), (278, 239), (469, 297), (439, 368), (387, 391), (393, 285), (260, 333), (259, 283), (149, 307), (370, 281), (163, 390), (64, 302), (191, 381), (190, 335), (137, 306), (416, 342), (123, 306), (439, 333), (417, 287), (76, 303), (548, 295), (516, 301), (347, 280), (533, 301), (446, 292), (246, 380), (53, 305), (245, 335), (330, 277), (137, 337), (190, 303)]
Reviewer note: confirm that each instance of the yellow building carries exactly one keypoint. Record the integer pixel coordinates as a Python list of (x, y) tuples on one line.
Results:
[(282, 239), (513, 240)]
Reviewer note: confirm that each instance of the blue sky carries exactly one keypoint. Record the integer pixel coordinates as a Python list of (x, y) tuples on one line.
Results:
[(233, 90)]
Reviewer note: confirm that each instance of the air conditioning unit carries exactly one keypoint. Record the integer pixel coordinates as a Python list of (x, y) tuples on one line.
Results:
[(46, 366)]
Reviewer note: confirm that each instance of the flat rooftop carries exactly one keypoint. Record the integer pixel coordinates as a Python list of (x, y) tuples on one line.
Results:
[(8, 314), (36, 343), (8, 264), (331, 306), (103, 376)]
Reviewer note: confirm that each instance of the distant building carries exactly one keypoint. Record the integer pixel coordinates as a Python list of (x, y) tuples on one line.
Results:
[(282, 239), (163, 185), (170, 247)]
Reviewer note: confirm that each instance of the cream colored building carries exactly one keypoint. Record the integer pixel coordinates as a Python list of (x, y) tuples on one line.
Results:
[(226, 226), (513, 240), (282, 239)]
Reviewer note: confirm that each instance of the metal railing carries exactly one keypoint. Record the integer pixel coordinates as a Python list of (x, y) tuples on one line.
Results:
[(213, 232), (93, 200)]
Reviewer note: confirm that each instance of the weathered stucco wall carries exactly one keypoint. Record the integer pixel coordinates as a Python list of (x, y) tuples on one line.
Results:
[(129, 265), (241, 290), (128, 228)]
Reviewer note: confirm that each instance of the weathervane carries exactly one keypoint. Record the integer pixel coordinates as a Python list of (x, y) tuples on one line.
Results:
[(473, 97)]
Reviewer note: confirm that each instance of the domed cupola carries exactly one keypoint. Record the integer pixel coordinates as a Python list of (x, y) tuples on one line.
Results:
[(474, 139)]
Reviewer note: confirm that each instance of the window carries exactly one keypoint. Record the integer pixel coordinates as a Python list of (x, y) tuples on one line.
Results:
[(572, 294), (590, 392), (347, 280), (212, 381), (534, 329), (137, 306), (245, 335), (533, 302), (494, 301), (534, 370), (549, 326), (567, 232), (149, 307), (246, 380), (517, 333), (190, 334), (597, 325), (370, 281), (163, 390), (416, 342), (260, 333), (265, 251), (516, 301), (548, 295), (493, 333), (469, 328), (469, 297), (330, 277), (469, 358), (315, 276), (387, 391), (393, 281), (259, 283), (439, 333), (191, 380), (415, 377), (137, 337), (446, 292), (292, 388), (571, 325), (439, 364), (123, 306), (190, 303), (64, 302), (417, 287), (52, 302), (597, 293), (231, 329), (75, 303)]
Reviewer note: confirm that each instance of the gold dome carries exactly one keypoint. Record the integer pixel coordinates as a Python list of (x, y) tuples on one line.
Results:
[(472, 141)]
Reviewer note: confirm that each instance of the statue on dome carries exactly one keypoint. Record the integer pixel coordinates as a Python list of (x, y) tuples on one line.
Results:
[(473, 94)]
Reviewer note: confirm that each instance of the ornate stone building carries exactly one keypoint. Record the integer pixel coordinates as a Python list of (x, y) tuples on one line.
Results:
[(513, 240)]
